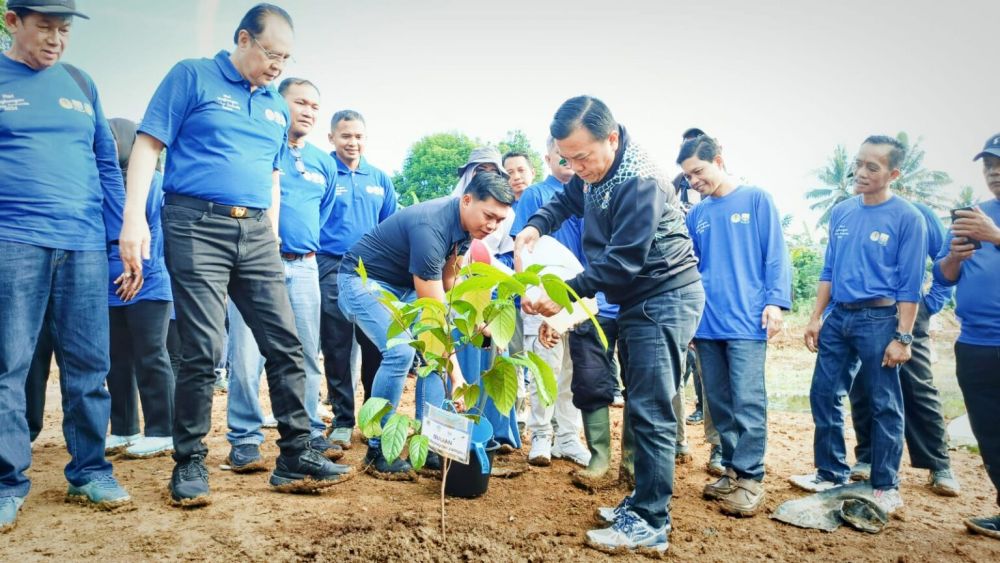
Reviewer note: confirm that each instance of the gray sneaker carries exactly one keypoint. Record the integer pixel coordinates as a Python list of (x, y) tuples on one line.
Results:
[(944, 483), (342, 437), (745, 499), (630, 532), (715, 466), (8, 512), (722, 487)]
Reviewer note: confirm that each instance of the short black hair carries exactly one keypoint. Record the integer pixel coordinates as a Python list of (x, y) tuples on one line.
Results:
[(346, 115), (586, 111), (490, 184), (514, 154), (253, 20), (898, 152), (692, 133), (703, 147), (292, 81)]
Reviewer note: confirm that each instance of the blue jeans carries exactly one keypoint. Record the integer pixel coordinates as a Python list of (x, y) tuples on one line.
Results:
[(72, 285), (733, 371), (246, 364), (846, 335), (653, 338), (360, 305)]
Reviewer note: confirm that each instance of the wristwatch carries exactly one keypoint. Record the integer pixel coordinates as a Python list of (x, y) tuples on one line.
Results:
[(903, 337)]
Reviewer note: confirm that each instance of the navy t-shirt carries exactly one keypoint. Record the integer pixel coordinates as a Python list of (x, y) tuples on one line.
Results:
[(224, 141), (415, 241), (60, 184)]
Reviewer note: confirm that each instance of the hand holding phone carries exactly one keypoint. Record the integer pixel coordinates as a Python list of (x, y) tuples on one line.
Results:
[(954, 217)]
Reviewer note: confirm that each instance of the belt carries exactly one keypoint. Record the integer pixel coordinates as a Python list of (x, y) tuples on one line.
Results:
[(868, 304), (290, 256), (234, 211)]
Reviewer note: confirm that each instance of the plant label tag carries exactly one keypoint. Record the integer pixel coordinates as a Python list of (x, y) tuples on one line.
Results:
[(448, 433)]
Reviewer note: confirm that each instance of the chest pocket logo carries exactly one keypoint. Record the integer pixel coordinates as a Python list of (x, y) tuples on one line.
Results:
[(740, 218), (276, 117), (314, 177), (879, 238), (375, 190), (76, 105)]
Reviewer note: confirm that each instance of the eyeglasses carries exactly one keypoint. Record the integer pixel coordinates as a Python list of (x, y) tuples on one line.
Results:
[(271, 55), (300, 166)]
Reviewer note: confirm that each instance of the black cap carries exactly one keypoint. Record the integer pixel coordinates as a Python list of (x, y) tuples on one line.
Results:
[(692, 133), (992, 148), (53, 7)]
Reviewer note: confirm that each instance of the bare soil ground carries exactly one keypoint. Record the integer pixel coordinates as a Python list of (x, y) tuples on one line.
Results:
[(539, 516)]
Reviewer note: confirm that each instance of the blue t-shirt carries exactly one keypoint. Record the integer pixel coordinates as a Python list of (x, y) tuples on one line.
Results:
[(365, 198), (978, 294), (156, 280), (60, 184), (416, 241), (307, 198), (743, 261), (224, 140), (875, 251), (535, 196), (939, 294)]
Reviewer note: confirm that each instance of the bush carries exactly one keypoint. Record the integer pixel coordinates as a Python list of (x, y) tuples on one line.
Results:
[(807, 263)]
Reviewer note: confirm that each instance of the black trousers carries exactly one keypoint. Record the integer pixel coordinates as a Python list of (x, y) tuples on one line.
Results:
[(594, 382), (174, 348), (926, 435), (207, 256), (978, 370), (140, 369), (337, 336), (38, 379)]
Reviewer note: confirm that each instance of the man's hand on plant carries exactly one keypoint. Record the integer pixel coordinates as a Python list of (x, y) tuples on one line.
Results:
[(526, 239), (547, 336), (545, 306)]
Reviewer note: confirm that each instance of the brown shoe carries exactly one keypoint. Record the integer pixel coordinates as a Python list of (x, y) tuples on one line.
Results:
[(745, 499), (720, 488)]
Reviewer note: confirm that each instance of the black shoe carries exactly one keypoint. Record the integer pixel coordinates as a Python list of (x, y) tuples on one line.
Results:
[(244, 458), (377, 466), (307, 472), (326, 448), (189, 483), (697, 417)]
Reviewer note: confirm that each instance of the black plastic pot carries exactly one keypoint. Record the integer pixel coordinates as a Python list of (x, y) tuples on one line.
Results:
[(467, 480)]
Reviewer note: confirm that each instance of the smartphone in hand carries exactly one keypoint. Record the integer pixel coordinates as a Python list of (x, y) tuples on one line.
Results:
[(975, 243)]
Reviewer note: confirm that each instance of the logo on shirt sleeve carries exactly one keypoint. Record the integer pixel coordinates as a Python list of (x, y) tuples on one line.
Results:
[(880, 238)]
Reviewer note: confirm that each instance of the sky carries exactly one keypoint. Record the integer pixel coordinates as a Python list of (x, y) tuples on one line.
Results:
[(779, 83)]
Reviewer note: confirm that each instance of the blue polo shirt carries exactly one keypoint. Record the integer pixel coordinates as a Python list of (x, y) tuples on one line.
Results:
[(365, 198), (156, 280), (223, 140), (535, 196), (417, 241), (743, 261), (939, 294), (307, 198), (875, 251), (58, 161), (978, 293)]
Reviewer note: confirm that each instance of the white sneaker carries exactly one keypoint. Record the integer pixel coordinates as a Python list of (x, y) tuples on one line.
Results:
[(813, 483), (115, 443), (269, 422), (541, 451), (888, 500), (149, 446), (573, 450)]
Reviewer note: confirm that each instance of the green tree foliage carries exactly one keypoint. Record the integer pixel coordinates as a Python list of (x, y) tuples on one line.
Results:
[(966, 198), (807, 263), (915, 182), (835, 184), (517, 140), (431, 164), (4, 36)]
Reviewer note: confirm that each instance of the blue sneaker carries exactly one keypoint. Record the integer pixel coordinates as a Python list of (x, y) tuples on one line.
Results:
[(8, 512), (102, 492), (629, 533), (609, 514), (244, 458)]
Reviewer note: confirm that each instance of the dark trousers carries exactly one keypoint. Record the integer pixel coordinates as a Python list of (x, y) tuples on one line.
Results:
[(207, 256), (594, 382), (337, 336), (924, 426), (653, 337), (693, 369), (38, 379), (174, 348), (978, 370), (140, 369)]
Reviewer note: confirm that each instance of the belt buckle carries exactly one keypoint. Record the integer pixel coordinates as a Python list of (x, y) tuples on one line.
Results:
[(237, 212)]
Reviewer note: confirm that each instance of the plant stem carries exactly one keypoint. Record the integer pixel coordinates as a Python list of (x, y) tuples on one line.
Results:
[(444, 478)]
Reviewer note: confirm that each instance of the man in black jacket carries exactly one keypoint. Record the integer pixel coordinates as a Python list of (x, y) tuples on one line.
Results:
[(639, 254)]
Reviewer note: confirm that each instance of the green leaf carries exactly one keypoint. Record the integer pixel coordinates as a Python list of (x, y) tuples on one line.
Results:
[(394, 436), (535, 269), (502, 322), (480, 269), (429, 303), (393, 342), (477, 283), (395, 329), (465, 310), (500, 383), (557, 291), (370, 417), (528, 278), (469, 394), (419, 445), (545, 380)]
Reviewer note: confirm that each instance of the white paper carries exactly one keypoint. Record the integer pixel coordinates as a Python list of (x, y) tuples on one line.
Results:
[(448, 434)]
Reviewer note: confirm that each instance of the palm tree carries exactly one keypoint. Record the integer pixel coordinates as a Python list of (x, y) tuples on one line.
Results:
[(836, 180), (916, 183)]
